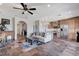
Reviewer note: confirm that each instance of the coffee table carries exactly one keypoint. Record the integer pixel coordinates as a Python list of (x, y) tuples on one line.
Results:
[(32, 39)]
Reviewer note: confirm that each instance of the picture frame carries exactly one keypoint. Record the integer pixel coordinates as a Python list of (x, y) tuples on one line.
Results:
[(5, 21)]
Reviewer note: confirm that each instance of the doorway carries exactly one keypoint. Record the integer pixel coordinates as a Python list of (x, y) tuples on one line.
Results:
[(21, 31)]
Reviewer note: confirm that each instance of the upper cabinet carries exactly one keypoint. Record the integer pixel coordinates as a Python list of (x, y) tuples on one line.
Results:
[(54, 25)]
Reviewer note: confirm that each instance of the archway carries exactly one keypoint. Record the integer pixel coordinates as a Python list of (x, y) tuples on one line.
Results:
[(21, 31)]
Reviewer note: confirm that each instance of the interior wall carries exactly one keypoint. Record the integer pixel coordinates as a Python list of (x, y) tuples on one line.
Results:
[(73, 27), (18, 28), (9, 26), (29, 26), (21, 26), (76, 26), (43, 25), (13, 24)]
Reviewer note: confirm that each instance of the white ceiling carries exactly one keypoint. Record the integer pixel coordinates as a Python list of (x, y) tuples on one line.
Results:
[(56, 11)]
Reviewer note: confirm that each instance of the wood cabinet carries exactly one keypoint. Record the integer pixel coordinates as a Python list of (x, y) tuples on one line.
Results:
[(73, 27), (54, 24)]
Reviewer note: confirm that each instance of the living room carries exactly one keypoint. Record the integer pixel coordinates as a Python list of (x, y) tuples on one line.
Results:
[(41, 31)]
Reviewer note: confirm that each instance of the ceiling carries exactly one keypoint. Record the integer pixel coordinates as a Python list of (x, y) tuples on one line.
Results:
[(45, 11)]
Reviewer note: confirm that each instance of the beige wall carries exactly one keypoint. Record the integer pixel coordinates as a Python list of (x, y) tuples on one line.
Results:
[(73, 27)]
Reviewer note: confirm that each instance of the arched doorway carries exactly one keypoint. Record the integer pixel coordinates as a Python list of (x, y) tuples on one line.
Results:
[(21, 31)]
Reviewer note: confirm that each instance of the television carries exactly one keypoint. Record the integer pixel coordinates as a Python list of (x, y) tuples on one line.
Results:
[(5, 21)]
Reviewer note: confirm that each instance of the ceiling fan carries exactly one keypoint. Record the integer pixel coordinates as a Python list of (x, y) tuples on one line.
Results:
[(25, 8)]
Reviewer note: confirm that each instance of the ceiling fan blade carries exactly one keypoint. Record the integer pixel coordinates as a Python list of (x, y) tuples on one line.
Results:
[(22, 5), (30, 12), (32, 8), (17, 8)]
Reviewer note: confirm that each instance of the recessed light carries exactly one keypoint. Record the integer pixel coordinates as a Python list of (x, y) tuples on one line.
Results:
[(48, 5)]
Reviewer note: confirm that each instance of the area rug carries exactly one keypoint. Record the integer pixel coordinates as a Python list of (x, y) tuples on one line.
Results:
[(1, 46), (5, 43), (27, 47)]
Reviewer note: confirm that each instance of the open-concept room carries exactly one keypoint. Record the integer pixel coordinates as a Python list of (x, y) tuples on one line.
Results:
[(39, 29)]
